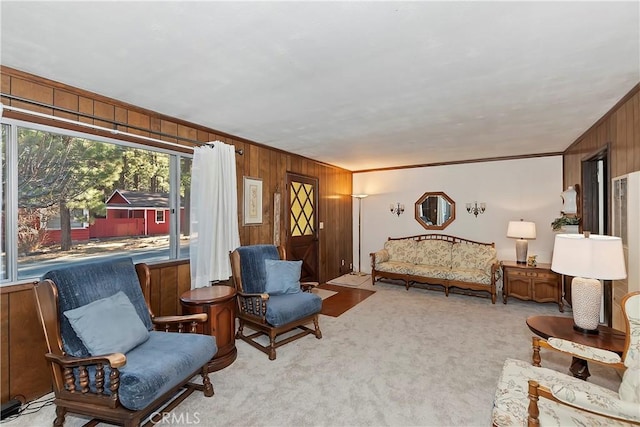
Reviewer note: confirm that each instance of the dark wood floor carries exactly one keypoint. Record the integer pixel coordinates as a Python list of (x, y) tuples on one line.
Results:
[(345, 299)]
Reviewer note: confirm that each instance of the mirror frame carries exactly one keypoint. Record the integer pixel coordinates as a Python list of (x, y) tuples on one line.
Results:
[(444, 224)]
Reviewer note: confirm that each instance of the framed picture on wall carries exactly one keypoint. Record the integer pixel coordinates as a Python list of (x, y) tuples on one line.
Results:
[(252, 195)]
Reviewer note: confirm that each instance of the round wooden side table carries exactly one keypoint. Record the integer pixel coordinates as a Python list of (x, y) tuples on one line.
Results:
[(219, 302), (562, 327)]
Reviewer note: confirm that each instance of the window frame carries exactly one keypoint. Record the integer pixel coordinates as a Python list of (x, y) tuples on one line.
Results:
[(10, 227), (163, 219)]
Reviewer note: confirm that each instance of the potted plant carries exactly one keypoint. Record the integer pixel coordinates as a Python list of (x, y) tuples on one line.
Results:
[(559, 224)]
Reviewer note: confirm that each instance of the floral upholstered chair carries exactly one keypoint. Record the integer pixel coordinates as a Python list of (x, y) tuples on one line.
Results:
[(106, 358), (537, 396), (271, 299)]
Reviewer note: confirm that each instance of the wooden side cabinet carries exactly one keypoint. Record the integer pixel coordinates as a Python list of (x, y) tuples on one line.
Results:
[(219, 303), (538, 284)]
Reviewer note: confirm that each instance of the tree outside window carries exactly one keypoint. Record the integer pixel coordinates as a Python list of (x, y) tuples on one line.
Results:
[(64, 181)]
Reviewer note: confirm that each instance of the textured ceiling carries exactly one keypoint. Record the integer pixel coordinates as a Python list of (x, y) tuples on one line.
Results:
[(355, 84)]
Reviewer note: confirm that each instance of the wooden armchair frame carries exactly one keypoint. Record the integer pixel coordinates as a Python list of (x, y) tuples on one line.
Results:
[(535, 390), (68, 371), (252, 310)]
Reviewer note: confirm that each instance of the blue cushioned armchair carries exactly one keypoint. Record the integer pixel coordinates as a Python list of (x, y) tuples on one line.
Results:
[(270, 315), (107, 360)]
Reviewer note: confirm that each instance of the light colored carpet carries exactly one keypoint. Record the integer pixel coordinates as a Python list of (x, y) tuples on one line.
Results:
[(398, 358), (352, 280), (323, 293)]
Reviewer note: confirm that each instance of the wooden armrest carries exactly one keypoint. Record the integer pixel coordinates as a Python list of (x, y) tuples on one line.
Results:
[(536, 391), (592, 402), (177, 322), (379, 256), (307, 286), (198, 318), (253, 305), (537, 343), (73, 378), (246, 295), (114, 360), (496, 270)]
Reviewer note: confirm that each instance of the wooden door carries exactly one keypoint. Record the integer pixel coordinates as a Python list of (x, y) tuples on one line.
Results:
[(595, 210), (302, 224)]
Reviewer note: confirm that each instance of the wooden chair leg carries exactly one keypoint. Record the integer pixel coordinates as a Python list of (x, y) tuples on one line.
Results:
[(206, 382), (317, 327), (240, 329), (272, 345), (60, 414)]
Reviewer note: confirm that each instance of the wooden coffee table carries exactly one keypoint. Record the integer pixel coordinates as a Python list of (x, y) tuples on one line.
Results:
[(562, 327)]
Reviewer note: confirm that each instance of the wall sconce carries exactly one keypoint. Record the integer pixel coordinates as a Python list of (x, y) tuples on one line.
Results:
[(475, 209), (397, 209)]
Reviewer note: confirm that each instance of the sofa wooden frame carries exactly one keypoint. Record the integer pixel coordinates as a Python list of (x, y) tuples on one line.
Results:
[(412, 279)]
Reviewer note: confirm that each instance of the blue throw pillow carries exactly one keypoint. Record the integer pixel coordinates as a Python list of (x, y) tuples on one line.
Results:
[(108, 325), (283, 277)]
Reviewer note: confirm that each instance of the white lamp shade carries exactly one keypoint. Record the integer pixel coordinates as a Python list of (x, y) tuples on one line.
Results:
[(521, 230), (359, 196), (594, 257)]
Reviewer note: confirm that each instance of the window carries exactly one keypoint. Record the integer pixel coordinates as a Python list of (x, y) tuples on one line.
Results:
[(79, 218), (159, 216), (3, 199), (74, 196)]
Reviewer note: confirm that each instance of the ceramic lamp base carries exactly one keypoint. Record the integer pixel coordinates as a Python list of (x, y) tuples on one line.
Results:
[(522, 246), (586, 295)]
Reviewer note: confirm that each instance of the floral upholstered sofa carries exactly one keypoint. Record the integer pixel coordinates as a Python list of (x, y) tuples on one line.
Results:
[(438, 259)]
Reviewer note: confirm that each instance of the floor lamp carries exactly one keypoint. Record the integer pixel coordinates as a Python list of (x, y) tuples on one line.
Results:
[(359, 197)]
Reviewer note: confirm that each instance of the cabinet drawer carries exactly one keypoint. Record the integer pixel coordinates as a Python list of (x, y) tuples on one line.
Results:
[(517, 273), (546, 276), (532, 274)]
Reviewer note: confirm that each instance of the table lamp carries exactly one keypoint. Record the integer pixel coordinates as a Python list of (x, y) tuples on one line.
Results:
[(521, 230), (589, 258)]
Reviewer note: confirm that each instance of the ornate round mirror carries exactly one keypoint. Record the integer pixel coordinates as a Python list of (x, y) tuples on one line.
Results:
[(435, 210)]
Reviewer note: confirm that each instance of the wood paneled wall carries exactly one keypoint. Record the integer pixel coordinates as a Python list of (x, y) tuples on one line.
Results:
[(620, 128), (258, 161), (22, 364), (23, 372)]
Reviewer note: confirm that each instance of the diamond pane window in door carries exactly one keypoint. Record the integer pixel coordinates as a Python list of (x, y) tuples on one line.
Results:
[(302, 209)]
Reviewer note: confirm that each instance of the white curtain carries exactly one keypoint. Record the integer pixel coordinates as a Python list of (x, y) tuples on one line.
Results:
[(214, 213)]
